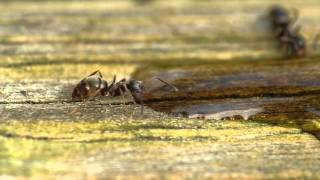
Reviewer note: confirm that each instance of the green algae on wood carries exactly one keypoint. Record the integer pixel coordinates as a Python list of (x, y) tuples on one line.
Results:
[(162, 144)]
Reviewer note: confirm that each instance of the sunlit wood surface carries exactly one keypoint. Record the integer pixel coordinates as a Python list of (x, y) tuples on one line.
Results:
[(46, 47)]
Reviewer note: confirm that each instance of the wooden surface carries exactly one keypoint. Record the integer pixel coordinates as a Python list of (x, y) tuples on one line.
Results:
[(46, 47)]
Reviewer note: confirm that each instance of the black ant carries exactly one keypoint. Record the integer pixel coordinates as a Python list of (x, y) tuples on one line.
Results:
[(288, 36), (94, 85)]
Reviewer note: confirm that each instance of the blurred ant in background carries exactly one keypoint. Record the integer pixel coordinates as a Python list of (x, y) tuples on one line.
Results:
[(287, 34), (94, 85)]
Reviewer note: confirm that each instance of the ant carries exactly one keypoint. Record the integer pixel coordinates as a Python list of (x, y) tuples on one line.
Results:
[(94, 85), (288, 36)]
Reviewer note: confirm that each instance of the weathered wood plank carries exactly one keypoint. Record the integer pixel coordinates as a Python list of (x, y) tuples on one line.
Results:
[(46, 47)]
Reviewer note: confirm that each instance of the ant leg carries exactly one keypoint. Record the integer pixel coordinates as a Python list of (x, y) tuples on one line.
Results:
[(114, 79), (286, 45), (95, 95), (122, 96), (289, 51), (101, 90), (277, 32), (142, 108), (166, 83), (315, 41), (127, 90), (123, 99), (285, 39), (135, 99), (297, 29), (295, 17), (104, 91), (96, 72), (110, 88)]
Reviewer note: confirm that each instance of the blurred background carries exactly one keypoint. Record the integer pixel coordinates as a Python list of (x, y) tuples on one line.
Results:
[(69, 39)]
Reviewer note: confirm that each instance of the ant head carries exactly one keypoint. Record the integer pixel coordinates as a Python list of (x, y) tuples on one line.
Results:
[(277, 10), (80, 91), (279, 14), (300, 46), (281, 18)]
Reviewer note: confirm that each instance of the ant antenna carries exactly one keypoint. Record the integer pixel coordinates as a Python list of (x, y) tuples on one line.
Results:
[(172, 86), (296, 14), (96, 72), (315, 41), (142, 108), (113, 81)]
